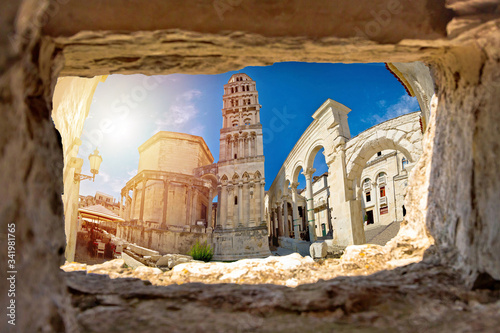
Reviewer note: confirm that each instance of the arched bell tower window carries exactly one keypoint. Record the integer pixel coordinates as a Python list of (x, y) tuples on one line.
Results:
[(235, 199)]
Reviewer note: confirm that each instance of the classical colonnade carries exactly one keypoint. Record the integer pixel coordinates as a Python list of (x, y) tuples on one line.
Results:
[(280, 213), (194, 189), (345, 158), (241, 201), (244, 145)]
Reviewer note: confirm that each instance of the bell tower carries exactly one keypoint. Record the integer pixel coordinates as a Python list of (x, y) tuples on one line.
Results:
[(241, 230), (241, 133)]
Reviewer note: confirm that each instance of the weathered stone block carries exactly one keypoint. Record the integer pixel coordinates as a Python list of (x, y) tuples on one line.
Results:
[(171, 260), (318, 250)]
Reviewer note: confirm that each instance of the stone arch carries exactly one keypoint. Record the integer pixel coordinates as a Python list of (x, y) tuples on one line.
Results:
[(257, 175), (296, 171), (235, 177), (369, 148), (311, 153), (286, 184), (378, 172), (212, 178)]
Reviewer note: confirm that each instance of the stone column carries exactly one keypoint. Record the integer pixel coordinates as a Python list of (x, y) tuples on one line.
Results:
[(295, 211), (121, 205), (128, 203), (165, 205), (230, 207), (274, 224), (189, 196), (143, 195), (310, 204), (241, 149), (261, 199), (260, 146), (134, 200), (252, 203), (240, 204), (246, 207), (250, 146), (346, 212), (280, 219), (196, 195), (285, 216), (222, 207), (209, 208)]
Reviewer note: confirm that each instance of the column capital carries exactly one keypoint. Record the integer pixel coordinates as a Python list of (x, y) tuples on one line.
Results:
[(294, 186), (285, 197), (308, 173)]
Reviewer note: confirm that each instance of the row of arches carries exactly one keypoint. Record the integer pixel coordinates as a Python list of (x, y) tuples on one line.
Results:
[(240, 119), (240, 89), (344, 161), (241, 200), (232, 102), (241, 146), (245, 177)]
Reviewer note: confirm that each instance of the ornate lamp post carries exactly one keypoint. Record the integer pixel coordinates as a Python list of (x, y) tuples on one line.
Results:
[(95, 162)]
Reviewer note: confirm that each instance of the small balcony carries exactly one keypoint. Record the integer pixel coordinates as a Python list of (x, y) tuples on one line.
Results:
[(382, 180), (383, 201), (367, 186)]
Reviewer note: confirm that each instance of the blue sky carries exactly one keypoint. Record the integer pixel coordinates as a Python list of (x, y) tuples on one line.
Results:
[(128, 109)]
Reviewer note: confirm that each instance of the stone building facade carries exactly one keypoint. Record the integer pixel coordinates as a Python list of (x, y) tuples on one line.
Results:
[(165, 192), (168, 204), (100, 198), (350, 162), (384, 180)]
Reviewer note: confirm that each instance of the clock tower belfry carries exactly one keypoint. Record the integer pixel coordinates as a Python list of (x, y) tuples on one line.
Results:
[(240, 210)]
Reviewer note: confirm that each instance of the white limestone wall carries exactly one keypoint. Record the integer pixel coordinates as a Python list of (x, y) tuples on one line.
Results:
[(401, 133), (71, 104)]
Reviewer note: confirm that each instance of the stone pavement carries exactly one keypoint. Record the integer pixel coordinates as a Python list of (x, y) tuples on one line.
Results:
[(381, 234)]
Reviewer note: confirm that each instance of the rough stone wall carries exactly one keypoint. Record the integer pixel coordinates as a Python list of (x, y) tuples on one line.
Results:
[(71, 104), (464, 184), (419, 78), (460, 158), (31, 178)]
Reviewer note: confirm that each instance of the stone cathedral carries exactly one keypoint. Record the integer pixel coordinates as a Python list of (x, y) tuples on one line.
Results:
[(170, 207)]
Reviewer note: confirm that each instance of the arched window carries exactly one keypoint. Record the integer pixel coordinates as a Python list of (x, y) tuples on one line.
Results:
[(232, 90), (235, 199), (404, 162)]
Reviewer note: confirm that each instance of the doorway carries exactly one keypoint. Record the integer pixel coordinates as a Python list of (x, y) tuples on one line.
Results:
[(369, 217)]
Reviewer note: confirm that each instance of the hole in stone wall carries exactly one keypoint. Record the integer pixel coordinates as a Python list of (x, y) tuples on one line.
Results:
[(148, 130)]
